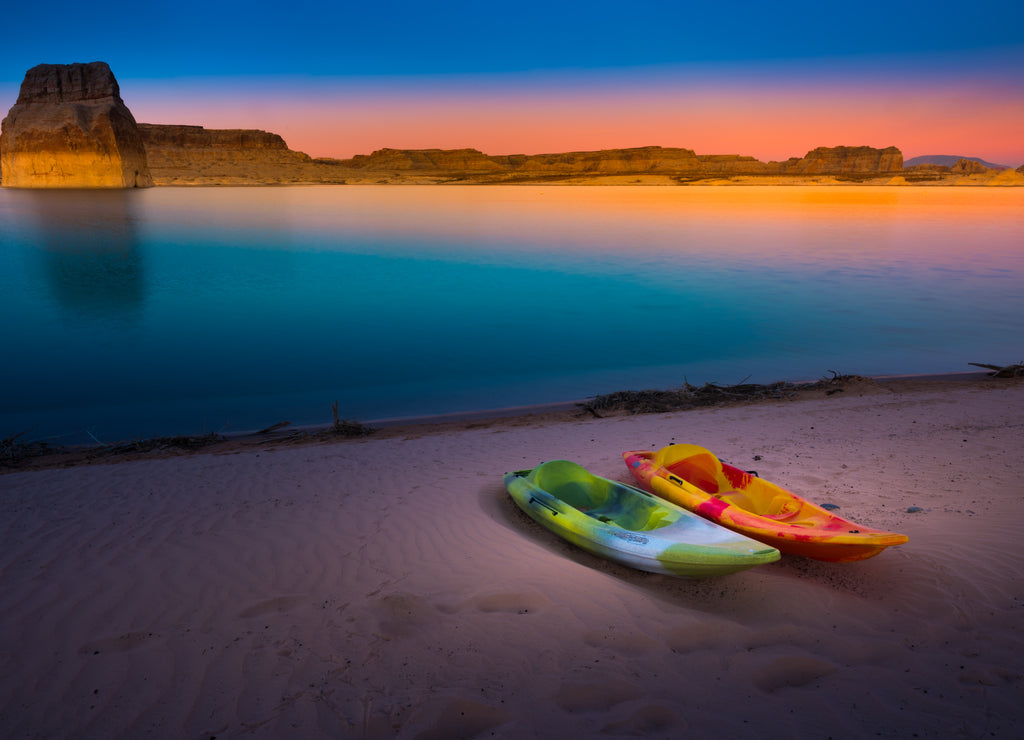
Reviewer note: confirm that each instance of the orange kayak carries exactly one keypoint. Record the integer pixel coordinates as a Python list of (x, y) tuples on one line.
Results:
[(692, 477)]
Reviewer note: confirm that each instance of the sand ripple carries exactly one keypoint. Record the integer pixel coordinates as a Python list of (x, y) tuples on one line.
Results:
[(389, 588)]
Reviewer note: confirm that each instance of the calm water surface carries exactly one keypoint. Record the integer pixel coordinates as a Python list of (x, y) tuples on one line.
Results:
[(170, 311)]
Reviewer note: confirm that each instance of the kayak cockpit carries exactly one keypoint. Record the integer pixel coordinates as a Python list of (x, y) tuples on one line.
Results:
[(608, 502)]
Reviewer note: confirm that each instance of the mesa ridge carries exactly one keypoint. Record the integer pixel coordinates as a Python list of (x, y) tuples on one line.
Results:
[(70, 129)]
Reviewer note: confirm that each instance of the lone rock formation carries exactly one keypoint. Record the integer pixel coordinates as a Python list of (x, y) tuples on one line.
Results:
[(70, 129)]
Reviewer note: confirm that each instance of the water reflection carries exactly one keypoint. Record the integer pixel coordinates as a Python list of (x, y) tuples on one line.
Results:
[(263, 304), (533, 225), (90, 249)]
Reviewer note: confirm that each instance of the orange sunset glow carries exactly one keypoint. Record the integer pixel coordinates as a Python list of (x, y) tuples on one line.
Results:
[(773, 121)]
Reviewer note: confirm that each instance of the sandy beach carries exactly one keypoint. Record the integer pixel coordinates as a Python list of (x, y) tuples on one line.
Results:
[(387, 586)]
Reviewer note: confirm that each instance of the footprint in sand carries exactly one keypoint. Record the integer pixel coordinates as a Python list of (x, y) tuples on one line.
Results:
[(705, 635), (624, 641), (595, 696), (280, 605), (119, 644), (458, 718), (402, 615), (513, 603), (646, 721), (790, 670)]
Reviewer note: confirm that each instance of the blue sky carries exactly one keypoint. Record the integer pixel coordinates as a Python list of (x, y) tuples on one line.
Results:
[(410, 37), (235, 64)]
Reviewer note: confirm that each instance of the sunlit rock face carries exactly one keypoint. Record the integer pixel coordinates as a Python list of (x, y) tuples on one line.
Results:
[(70, 129), (195, 155), (968, 167), (640, 160), (162, 136), (937, 168), (840, 160), (846, 160), (651, 159), (441, 160), (733, 164)]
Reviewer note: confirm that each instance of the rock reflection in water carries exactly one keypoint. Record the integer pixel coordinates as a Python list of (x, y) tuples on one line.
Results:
[(90, 249)]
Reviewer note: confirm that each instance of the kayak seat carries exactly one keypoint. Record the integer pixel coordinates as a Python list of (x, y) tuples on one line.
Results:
[(738, 499), (577, 495), (572, 484), (601, 499), (635, 516), (695, 465), (781, 507)]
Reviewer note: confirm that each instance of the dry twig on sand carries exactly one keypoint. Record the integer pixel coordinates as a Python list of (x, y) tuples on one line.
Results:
[(155, 444), (347, 427), (1003, 371), (835, 383), (13, 452)]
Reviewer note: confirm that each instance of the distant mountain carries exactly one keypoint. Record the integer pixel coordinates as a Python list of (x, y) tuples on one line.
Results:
[(948, 160)]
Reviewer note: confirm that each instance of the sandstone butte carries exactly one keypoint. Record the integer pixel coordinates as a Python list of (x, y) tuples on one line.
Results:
[(70, 129)]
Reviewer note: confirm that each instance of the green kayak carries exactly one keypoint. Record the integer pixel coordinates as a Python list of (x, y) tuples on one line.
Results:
[(630, 526)]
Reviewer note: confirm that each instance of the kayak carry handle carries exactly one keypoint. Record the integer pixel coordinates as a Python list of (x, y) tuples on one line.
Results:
[(545, 504)]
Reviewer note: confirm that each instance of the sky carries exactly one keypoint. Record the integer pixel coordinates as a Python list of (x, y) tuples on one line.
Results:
[(768, 80)]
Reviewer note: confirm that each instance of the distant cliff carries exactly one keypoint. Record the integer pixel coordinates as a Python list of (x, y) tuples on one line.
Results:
[(197, 155), (182, 155), (845, 160), (641, 160), (193, 155), (727, 165), (650, 160), (423, 160), (966, 166), (948, 160), (70, 129)]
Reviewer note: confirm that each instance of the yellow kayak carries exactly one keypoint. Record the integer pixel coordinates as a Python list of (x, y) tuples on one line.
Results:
[(695, 479)]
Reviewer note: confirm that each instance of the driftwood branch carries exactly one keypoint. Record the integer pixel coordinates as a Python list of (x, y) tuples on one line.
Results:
[(710, 394), (13, 451), (1002, 371), (154, 444), (274, 427), (686, 397), (347, 427)]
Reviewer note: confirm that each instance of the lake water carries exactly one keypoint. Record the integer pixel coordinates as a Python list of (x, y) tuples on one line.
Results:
[(170, 311)]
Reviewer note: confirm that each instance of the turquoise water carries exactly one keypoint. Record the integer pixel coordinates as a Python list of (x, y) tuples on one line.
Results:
[(172, 311)]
